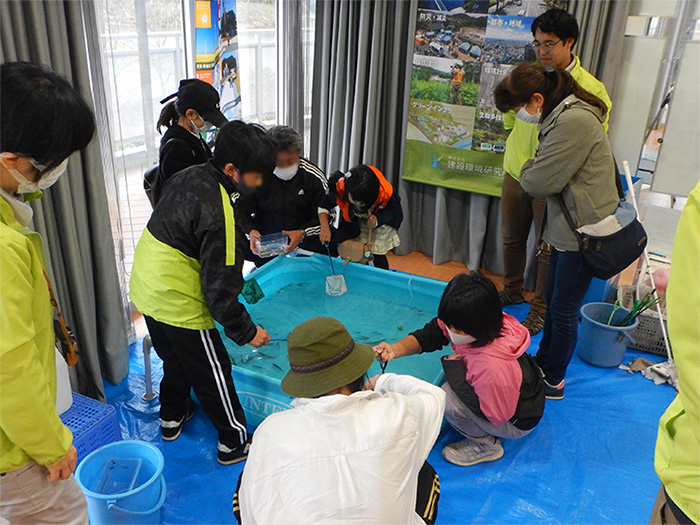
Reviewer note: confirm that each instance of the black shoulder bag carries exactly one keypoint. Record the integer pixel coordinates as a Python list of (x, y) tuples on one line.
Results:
[(608, 255)]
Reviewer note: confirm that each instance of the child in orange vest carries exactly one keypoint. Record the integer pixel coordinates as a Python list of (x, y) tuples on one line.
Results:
[(368, 203)]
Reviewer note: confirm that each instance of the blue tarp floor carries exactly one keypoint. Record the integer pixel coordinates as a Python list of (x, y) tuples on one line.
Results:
[(590, 460)]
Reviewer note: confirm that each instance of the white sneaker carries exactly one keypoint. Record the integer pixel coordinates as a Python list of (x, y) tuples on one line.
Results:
[(469, 452)]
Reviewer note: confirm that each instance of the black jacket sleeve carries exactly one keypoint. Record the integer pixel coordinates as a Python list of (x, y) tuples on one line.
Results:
[(222, 279), (392, 215), (246, 207), (431, 337), (176, 155)]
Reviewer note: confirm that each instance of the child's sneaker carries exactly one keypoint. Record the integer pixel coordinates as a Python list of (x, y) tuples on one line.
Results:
[(171, 430), (555, 392), (229, 456), (470, 452)]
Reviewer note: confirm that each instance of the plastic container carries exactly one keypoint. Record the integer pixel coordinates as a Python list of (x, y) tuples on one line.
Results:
[(92, 423), (64, 395), (271, 245), (137, 475), (598, 343)]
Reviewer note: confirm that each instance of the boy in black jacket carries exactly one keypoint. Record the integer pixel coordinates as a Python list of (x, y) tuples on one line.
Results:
[(187, 274)]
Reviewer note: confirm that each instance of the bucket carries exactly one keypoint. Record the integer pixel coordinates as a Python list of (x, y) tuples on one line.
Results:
[(123, 483), (599, 344)]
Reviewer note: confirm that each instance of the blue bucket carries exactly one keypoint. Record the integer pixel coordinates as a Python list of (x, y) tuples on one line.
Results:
[(123, 483), (598, 343)]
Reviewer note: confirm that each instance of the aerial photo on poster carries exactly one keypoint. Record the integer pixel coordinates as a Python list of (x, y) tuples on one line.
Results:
[(440, 124), (529, 8), (446, 35), (508, 40), (447, 81)]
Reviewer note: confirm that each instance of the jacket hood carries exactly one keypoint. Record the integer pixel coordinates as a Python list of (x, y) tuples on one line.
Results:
[(512, 343), (572, 101)]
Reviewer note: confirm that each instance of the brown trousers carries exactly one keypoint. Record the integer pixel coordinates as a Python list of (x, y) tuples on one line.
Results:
[(26, 496), (518, 211), (661, 513)]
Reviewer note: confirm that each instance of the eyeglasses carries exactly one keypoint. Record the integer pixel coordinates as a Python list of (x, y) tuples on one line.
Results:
[(545, 45)]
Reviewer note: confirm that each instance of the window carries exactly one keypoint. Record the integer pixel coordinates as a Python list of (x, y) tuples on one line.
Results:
[(143, 57)]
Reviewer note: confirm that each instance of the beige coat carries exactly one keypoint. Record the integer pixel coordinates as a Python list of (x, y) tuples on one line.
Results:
[(574, 158)]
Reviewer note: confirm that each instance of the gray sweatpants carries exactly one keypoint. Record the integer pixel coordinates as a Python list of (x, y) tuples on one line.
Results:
[(475, 427), (26, 496)]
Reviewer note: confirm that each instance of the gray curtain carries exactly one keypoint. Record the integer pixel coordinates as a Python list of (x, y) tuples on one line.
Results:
[(73, 216), (602, 25), (362, 67)]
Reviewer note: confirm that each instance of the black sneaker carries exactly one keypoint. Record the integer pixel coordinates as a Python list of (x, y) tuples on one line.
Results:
[(507, 297), (171, 430), (554, 392), (229, 456)]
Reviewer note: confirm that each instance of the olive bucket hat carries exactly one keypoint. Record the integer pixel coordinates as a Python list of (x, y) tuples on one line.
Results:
[(322, 357)]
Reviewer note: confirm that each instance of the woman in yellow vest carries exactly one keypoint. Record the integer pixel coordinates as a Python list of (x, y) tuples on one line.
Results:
[(43, 121)]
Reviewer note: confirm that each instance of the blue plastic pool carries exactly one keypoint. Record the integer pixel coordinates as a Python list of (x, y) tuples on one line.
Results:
[(379, 306)]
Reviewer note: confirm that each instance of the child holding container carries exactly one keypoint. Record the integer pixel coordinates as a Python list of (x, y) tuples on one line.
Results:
[(494, 389), (370, 212)]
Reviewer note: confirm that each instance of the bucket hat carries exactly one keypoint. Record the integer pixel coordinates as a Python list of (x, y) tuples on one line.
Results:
[(323, 356)]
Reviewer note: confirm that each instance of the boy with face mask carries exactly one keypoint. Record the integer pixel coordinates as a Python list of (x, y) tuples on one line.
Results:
[(494, 389), (187, 274), (555, 33), (288, 200), (44, 120)]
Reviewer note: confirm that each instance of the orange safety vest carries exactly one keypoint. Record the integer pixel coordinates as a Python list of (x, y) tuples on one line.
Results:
[(386, 190), (459, 76)]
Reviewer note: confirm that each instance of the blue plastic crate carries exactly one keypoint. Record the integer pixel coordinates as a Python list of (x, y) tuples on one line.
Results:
[(92, 423)]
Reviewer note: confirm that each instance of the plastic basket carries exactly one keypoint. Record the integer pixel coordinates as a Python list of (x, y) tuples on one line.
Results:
[(92, 423), (648, 336)]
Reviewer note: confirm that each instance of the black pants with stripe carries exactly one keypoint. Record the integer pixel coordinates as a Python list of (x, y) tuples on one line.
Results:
[(197, 359)]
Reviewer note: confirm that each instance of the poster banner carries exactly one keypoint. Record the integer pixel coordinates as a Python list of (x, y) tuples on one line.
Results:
[(216, 43), (455, 136)]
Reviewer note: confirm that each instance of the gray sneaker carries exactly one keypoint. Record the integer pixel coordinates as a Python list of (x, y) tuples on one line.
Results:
[(507, 297), (470, 452)]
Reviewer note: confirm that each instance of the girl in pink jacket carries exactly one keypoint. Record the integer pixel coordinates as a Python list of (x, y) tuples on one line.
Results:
[(494, 388)]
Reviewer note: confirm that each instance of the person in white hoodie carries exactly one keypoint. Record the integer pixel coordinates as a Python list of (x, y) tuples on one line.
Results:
[(349, 450)]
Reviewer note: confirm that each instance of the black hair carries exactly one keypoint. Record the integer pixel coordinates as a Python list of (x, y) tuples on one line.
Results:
[(554, 84), (358, 384), (558, 22), (42, 116), (470, 303), (169, 115), (361, 184), (246, 146)]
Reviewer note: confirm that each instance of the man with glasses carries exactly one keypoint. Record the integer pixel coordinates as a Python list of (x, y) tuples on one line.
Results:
[(555, 34)]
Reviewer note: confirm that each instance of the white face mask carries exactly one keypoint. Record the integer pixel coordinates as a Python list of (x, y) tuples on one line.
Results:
[(47, 180), (206, 127), (288, 172), (459, 339), (526, 117)]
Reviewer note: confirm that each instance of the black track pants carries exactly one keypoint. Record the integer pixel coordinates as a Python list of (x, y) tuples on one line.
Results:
[(197, 359)]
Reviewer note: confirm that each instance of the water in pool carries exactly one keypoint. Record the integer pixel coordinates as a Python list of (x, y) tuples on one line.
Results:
[(379, 306)]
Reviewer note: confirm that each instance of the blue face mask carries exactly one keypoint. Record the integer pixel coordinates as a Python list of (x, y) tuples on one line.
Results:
[(526, 117)]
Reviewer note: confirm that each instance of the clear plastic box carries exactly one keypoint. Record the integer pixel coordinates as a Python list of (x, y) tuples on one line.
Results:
[(271, 245)]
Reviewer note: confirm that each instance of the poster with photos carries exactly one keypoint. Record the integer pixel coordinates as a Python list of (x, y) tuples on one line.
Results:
[(461, 49), (216, 44)]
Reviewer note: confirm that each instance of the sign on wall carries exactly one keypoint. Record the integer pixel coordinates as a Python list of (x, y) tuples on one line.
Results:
[(216, 44), (455, 136)]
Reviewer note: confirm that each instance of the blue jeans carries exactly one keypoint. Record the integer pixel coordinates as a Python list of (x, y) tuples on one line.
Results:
[(567, 283)]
